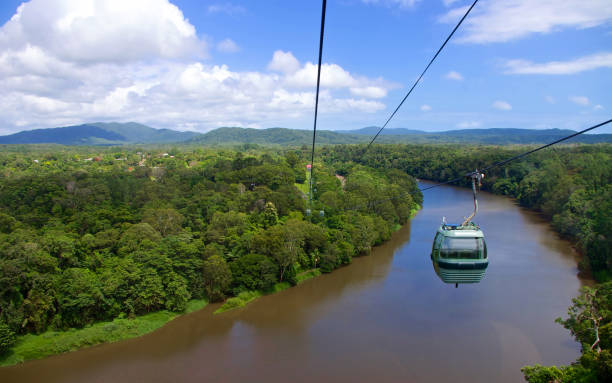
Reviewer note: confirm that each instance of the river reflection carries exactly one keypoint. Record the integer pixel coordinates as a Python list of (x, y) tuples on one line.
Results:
[(385, 318)]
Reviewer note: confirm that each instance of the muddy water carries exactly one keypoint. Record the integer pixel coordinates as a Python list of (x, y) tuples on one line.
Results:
[(385, 318)]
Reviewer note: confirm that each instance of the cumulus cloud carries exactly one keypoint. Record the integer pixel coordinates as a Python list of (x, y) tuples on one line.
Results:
[(582, 64), (100, 31), (284, 62), (125, 72), (501, 105), (505, 20), (228, 46), (550, 99), (452, 75), (598, 107), (425, 108), (332, 76), (580, 100)]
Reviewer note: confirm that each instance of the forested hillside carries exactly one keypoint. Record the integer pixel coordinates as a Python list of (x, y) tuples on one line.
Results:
[(97, 133), (570, 185), (295, 137), (90, 234)]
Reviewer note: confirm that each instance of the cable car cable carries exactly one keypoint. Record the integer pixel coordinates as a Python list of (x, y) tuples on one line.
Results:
[(501, 163), (423, 73), (314, 131)]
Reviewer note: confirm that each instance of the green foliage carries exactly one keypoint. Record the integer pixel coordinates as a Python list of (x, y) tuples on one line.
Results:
[(254, 272), (56, 342), (217, 277), (570, 185), (95, 234), (306, 275), (590, 322), (294, 137), (238, 301), (7, 339), (165, 221)]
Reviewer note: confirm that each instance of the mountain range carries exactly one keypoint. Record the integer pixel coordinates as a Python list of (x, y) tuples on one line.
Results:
[(133, 133), (98, 133)]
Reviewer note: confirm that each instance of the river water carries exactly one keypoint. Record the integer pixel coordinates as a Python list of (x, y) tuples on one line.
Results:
[(385, 318)]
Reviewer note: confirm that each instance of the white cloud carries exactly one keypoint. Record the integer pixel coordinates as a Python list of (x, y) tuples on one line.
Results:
[(399, 3), (138, 75), (505, 20), (425, 108), (598, 107), (228, 8), (501, 105), (550, 99), (580, 100), (369, 91), (332, 76), (452, 75), (100, 31), (591, 62), (228, 46), (469, 124), (284, 62)]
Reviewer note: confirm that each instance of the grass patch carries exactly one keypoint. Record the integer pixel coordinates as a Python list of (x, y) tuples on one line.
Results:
[(240, 301), (280, 286), (195, 305), (306, 275), (304, 187), (32, 346), (247, 297)]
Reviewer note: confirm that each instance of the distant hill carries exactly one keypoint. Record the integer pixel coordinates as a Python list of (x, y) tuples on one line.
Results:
[(274, 136), (113, 133), (480, 136), (293, 137), (98, 133), (372, 130)]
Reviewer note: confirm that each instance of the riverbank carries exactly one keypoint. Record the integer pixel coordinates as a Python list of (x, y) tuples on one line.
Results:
[(365, 313), (30, 346), (247, 297)]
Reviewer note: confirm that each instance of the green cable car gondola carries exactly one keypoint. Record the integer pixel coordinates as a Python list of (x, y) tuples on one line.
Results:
[(459, 252)]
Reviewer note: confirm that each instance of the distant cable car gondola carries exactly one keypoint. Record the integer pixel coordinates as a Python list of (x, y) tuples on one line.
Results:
[(459, 252)]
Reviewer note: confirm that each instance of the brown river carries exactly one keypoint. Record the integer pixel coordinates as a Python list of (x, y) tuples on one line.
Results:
[(385, 318)]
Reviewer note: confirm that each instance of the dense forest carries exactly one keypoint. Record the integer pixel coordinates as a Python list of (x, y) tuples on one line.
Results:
[(113, 133), (90, 234), (570, 185)]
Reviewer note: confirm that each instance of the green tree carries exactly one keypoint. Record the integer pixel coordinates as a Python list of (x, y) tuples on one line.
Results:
[(177, 294), (217, 277), (141, 236), (7, 338), (80, 298), (149, 293), (590, 322), (254, 272), (270, 216), (165, 221)]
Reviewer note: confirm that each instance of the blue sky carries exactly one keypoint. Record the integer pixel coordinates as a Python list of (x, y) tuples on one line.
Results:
[(197, 65)]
